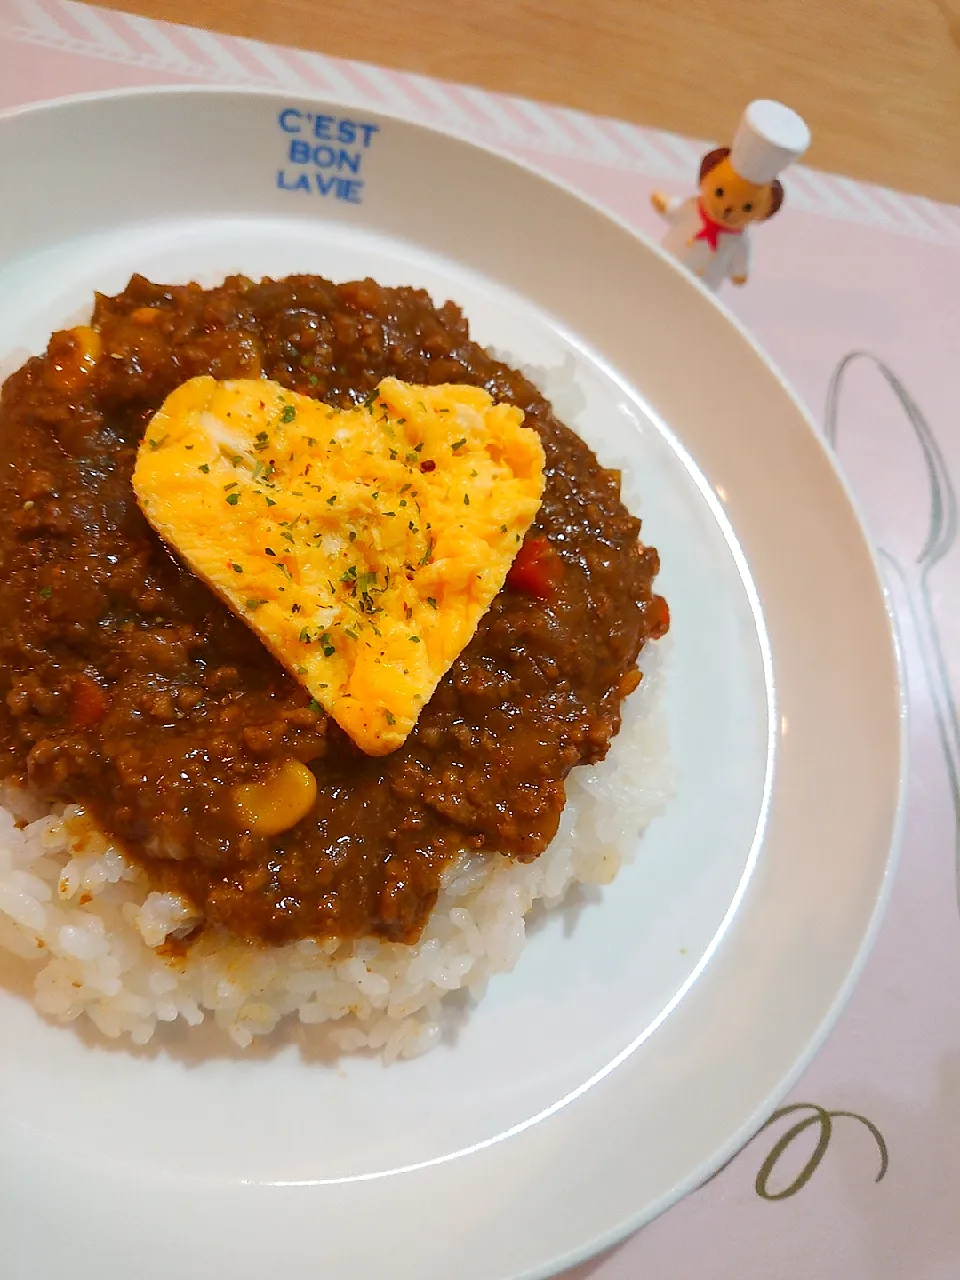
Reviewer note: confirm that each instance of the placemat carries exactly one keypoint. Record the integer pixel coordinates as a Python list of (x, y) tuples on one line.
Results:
[(855, 293)]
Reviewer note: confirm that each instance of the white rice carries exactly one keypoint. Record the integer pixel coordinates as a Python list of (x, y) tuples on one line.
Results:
[(76, 909)]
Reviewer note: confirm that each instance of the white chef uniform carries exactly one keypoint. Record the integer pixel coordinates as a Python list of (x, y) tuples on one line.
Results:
[(730, 258), (768, 138)]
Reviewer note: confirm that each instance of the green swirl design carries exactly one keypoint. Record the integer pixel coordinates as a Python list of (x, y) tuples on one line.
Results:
[(824, 1119), (815, 1115)]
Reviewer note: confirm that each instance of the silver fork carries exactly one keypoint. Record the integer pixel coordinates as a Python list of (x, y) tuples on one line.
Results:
[(911, 580)]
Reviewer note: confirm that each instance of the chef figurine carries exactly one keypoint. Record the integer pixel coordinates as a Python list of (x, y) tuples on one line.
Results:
[(738, 185)]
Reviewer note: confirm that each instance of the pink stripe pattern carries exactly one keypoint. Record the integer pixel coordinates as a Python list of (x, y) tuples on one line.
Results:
[(202, 57)]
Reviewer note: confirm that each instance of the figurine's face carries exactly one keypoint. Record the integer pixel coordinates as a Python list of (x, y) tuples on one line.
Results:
[(731, 200)]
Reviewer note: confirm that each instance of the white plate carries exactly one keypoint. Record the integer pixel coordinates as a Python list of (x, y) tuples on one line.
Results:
[(627, 1056)]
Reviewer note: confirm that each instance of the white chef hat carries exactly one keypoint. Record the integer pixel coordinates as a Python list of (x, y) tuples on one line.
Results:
[(769, 137)]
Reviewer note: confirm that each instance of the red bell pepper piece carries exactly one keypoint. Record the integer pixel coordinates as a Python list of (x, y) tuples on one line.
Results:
[(88, 702), (536, 570)]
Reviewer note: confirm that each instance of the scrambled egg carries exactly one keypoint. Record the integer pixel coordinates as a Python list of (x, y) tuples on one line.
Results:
[(363, 546)]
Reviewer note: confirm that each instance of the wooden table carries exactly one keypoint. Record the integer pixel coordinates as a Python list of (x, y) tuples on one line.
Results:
[(877, 80)]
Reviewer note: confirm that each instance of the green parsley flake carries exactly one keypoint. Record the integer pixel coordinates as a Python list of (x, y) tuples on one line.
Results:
[(431, 602), (204, 467), (289, 413), (233, 498), (391, 718), (253, 604), (237, 568), (155, 444), (458, 444), (46, 592)]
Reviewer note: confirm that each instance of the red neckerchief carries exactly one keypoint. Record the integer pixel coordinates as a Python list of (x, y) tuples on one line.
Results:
[(711, 230)]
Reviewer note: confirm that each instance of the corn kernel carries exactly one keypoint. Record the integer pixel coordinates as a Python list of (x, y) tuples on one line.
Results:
[(88, 344), (72, 356), (278, 802)]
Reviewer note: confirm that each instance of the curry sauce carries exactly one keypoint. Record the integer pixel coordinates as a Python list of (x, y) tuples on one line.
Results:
[(129, 687)]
